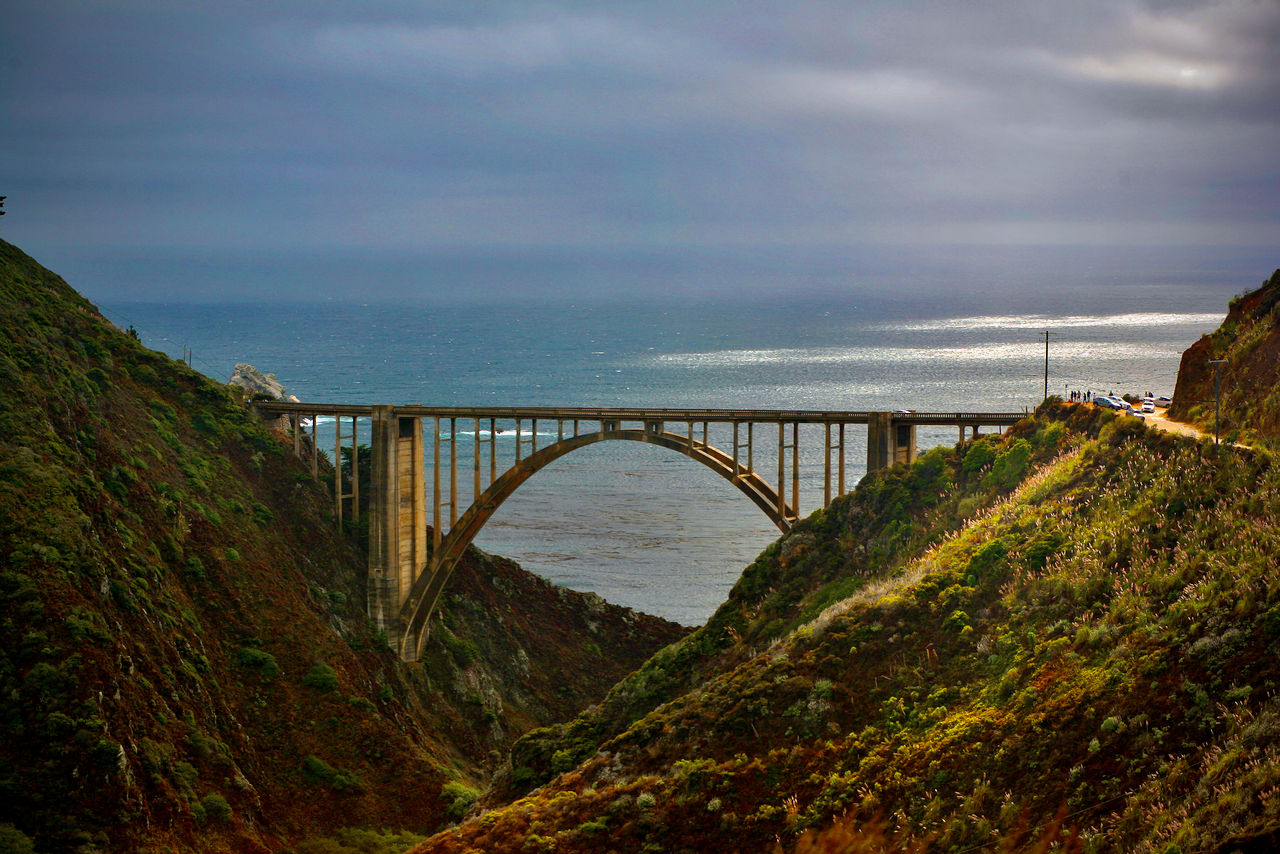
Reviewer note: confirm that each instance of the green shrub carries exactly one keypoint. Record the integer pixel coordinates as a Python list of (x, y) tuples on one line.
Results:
[(987, 556), (460, 797), (1271, 622), (980, 454), (206, 424), (185, 776), (194, 568), (106, 754), (562, 761), (318, 772), (14, 841), (464, 652), (1008, 468), (321, 677), (591, 828), (216, 808), (99, 379), (353, 840), (956, 621), (263, 662)]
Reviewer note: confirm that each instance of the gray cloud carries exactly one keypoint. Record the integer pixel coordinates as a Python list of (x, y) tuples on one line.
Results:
[(571, 126)]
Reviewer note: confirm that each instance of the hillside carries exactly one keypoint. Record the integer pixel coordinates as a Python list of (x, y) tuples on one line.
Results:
[(184, 659), (1066, 636), (1249, 342)]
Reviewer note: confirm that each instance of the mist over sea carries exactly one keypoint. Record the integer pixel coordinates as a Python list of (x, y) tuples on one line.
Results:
[(651, 529)]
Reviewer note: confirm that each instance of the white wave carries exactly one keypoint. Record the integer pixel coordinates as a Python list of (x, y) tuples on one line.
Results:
[(509, 433)]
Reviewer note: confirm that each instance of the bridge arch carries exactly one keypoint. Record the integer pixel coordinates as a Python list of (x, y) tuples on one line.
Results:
[(428, 586)]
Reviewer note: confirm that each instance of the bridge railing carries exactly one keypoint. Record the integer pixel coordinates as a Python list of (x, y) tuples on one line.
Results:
[(629, 414)]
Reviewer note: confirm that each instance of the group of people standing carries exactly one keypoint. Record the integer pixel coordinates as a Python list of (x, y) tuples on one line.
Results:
[(1081, 396)]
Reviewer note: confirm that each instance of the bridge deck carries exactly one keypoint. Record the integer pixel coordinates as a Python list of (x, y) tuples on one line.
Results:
[(584, 413)]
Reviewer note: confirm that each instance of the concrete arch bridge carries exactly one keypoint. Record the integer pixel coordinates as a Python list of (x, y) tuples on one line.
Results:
[(418, 531)]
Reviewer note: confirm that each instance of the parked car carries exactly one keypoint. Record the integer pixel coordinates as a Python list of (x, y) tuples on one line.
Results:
[(1148, 405), (1164, 401)]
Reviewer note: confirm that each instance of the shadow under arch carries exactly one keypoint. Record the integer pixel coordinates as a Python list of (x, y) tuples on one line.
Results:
[(428, 586)]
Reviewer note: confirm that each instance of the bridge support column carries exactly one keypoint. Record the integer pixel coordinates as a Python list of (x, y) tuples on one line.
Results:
[(904, 443), (397, 523), (879, 440), (889, 443)]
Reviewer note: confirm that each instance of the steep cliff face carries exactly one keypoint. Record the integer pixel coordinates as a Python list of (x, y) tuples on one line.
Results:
[(184, 659), (1068, 636), (1248, 342)]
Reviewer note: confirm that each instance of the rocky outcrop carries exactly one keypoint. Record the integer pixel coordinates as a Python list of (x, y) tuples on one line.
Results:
[(256, 382), (1248, 343)]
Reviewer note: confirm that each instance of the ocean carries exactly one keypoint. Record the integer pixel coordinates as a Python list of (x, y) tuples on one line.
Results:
[(651, 529)]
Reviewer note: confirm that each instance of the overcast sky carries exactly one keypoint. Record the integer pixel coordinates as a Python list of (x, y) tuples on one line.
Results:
[(140, 135)]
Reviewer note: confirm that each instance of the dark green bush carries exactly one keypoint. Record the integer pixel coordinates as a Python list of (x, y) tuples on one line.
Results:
[(216, 808), (263, 662), (318, 772), (321, 677)]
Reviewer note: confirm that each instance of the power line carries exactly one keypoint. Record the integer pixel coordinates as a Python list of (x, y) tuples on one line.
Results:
[(188, 353)]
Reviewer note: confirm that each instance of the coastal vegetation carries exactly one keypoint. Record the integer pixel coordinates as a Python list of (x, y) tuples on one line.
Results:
[(185, 662)]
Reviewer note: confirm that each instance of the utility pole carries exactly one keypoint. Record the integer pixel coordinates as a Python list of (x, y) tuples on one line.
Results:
[(1217, 396), (1046, 363)]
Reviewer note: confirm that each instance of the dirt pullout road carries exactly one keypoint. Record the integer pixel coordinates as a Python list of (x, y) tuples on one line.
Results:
[(1158, 421)]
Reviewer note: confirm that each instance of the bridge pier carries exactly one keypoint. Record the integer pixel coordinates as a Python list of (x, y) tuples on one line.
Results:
[(889, 442), (398, 520)]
